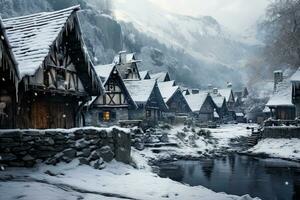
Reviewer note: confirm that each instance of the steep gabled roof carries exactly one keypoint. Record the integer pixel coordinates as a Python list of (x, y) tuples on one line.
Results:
[(167, 89), (296, 76), (7, 47), (196, 101), (141, 90), (218, 99), (145, 75), (33, 36), (104, 71), (161, 77), (283, 95), (226, 93)]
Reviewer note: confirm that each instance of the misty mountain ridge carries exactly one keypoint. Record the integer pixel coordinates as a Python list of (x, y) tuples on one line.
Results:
[(196, 51)]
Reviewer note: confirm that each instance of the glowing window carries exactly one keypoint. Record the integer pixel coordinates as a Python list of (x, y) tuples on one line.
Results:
[(106, 116)]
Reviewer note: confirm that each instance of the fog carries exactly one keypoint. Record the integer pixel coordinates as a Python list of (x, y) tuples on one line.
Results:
[(237, 15)]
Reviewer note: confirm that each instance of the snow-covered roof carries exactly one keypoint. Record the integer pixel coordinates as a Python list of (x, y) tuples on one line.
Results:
[(4, 38), (167, 89), (125, 58), (239, 114), (283, 95), (31, 36), (266, 109), (196, 101), (296, 76), (104, 71), (140, 90), (144, 74), (218, 99), (160, 77), (226, 93)]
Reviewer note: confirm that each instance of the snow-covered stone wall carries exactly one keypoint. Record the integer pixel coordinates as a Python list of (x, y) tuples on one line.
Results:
[(281, 132), (19, 148)]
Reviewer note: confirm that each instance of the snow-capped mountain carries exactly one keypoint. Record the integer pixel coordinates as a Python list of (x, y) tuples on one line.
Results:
[(202, 37)]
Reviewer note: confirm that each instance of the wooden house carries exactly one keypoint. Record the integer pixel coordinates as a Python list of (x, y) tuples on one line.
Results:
[(229, 95), (127, 65), (9, 80), (174, 98), (57, 76), (145, 75), (114, 105), (202, 106), (281, 103), (295, 79), (148, 98), (161, 77), (221, 105)]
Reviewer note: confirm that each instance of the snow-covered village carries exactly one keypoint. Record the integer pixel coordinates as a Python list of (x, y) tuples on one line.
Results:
[(149, 99)]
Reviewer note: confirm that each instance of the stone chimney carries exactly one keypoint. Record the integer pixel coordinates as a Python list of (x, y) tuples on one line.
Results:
[(210, 87), (215, 91), (278, 78), (122, 57), (229, 85), (195, 91)]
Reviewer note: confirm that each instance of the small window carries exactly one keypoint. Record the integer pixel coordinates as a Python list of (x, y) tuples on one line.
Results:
[(106, 116), (148, 113)]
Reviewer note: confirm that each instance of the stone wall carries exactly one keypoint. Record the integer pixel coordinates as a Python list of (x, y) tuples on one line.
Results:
[(281, 132), (25, 148)]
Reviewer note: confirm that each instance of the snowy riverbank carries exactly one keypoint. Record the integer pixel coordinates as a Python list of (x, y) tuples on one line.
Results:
[(278, 148), (120, 181), (194, 143), (116, 181)]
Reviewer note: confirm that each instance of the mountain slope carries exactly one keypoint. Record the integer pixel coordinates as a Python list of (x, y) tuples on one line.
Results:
[(201, 37)]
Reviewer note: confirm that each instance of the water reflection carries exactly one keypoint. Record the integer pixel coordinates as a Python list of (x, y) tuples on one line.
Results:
[(265, 178)]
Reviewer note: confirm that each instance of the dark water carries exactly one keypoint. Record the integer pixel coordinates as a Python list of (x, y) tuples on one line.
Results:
[(269, 179)]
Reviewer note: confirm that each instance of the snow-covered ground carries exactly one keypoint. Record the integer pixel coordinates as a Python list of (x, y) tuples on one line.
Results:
[(278, 148), (116, 181), (192, 145)]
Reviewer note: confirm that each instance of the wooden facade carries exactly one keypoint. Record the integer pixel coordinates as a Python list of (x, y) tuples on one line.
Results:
[(149, 100), (114, 105), (57, 75), (9, 79)]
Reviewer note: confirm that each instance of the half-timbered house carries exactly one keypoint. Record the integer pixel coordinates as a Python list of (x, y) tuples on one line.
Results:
[(161, 77), (127, 65), (145, 75), (202, 106), (174, 98), (148, 98), (57, 75), (113, 106), (9, 80)]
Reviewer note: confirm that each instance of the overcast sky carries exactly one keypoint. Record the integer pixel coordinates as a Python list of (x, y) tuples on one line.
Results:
[(237, 15)]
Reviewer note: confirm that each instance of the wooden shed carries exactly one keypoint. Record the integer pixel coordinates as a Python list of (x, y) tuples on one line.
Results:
[(57, 76)]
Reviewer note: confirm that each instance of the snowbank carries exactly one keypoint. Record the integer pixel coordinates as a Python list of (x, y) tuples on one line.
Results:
[(71, 181), (278, 148)]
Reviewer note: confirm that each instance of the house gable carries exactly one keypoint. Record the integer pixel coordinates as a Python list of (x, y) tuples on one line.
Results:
[(53, 54), (116, 94)]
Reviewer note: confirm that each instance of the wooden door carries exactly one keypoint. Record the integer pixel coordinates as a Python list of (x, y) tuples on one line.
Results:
[(39, 115)]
